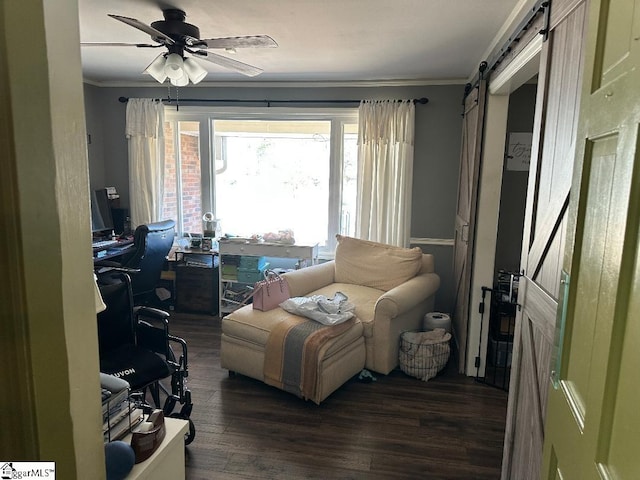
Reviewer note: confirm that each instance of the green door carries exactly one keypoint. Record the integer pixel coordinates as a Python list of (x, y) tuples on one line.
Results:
[(592, 426)]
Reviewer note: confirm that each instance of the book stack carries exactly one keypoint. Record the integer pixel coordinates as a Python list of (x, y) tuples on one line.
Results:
[(119, 415)]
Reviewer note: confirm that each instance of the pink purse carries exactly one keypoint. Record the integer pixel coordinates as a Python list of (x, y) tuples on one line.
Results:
[(270, 292)]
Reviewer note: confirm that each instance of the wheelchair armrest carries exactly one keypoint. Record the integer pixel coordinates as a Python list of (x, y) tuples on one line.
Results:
[(106, 263), (152, 329), (105, 268), (112, 274), (152, 313)]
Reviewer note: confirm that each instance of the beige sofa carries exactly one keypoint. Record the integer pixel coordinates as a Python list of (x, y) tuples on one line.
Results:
[(391, 288)]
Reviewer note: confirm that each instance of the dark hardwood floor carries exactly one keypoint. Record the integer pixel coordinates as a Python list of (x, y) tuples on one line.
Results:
[(397, 427)]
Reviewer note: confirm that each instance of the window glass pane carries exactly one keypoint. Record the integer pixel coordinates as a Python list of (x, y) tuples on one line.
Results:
[(182, 183), (190, 164), (272, 176), (170, 199), (349, 179)]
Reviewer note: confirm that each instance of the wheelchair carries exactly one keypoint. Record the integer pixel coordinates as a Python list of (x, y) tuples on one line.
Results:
[(135, 345)]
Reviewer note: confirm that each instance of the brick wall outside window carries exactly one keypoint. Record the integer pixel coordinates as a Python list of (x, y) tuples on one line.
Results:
[(190, 176)]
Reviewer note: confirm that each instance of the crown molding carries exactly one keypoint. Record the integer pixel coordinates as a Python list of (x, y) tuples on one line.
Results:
[(290, 84)]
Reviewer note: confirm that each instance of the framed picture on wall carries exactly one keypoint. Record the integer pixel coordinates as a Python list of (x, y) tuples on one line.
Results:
[(519, 151)]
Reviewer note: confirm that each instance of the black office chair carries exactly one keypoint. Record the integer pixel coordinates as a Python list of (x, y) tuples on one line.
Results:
[(135, 345), (152, 243)]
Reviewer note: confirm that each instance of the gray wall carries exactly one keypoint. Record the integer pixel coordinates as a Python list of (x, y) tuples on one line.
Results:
[(437, 148), (514, 184), (95, 137), (435, 182)]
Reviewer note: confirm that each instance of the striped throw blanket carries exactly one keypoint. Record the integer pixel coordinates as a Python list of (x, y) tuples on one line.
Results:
[(291, 360)]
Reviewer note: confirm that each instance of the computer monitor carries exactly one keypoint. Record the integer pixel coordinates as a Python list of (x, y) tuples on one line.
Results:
[(101, 218)]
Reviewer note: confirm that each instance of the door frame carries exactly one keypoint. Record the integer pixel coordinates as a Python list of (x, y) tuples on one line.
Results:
[(520, 70)]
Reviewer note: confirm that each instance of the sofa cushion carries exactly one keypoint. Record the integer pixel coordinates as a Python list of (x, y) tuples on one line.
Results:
[(373, 264)]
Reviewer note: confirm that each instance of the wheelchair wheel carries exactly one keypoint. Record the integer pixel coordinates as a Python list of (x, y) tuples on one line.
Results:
[(191, 432), (169, 405)]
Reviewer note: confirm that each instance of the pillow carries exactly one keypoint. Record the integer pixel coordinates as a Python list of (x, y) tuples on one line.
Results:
[(376, 265)]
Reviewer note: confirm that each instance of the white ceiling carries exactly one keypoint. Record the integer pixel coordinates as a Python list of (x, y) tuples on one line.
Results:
[(319, 40)]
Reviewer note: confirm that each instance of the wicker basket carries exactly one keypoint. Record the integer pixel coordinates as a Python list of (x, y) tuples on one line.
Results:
[(424, 354)]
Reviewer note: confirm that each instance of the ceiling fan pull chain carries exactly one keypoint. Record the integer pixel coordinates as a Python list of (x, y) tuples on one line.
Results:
[(169, 99)]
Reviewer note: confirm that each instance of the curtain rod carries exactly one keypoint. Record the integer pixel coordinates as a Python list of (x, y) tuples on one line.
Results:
[(421, 101)]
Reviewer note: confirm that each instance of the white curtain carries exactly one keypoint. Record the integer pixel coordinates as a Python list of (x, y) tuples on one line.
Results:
[(385, 171), (144, 129)]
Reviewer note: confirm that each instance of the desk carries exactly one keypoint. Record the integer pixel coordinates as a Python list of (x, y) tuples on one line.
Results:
[(123, 247), (167, 462)]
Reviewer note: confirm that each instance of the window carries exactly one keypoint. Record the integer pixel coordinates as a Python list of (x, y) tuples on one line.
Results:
[(182, 199), (264, 171)]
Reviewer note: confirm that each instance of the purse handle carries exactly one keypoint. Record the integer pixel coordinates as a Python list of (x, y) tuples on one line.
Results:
[(268, 275)]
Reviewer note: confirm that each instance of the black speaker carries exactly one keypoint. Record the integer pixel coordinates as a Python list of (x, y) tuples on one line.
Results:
[(119, 219)]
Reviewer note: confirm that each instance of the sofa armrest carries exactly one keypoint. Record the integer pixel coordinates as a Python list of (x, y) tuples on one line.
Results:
[(407, 295), (306, 280)]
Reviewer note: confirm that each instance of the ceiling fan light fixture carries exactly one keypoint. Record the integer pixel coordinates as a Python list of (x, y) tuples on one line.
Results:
[(194, 70), (174, 67), (179, 37), (156, 69), (181, 81)]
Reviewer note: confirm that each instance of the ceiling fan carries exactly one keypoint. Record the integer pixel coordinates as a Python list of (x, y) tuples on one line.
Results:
[(179, 37)]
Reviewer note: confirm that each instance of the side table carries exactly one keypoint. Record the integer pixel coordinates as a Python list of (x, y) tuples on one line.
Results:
[(197, 280), (167, 462)]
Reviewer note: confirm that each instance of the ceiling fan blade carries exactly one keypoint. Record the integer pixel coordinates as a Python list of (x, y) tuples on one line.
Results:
[(116, 44), (245, 69), (156, 35), (239, 42)]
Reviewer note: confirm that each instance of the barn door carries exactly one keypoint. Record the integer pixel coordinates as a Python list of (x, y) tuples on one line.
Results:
[(544, 234), (473, 119), (593, 423)]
